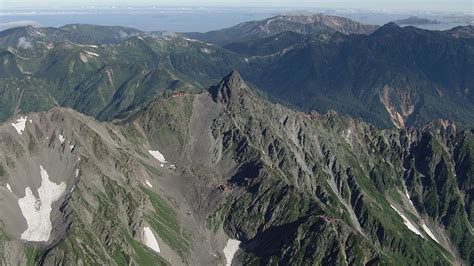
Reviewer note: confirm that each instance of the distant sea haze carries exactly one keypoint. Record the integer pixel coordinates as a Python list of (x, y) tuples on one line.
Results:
[(176, 20), (199, 19)]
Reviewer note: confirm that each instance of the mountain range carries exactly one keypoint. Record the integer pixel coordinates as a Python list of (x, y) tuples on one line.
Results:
[(304, 24), (394, 76), (315, 140), (226, 167)]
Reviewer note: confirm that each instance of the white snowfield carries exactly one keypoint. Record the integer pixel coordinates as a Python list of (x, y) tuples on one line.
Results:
[(9, 188), (407, 222), (150, 240), (430, 234), (83, 58), (37, 211), (425, 228), (87, 45), (148, 183), (409, 198), (230, 249), (91, 53), (347, 136), (61, 138), (20, 124), (158, 155)]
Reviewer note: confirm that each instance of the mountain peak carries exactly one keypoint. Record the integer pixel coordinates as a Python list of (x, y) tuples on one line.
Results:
[(390, 27), (229, 85), (303, 24), (233, 77)]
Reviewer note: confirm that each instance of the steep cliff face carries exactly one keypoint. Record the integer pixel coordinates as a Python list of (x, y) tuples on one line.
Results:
[(289, 179), (226, 171)]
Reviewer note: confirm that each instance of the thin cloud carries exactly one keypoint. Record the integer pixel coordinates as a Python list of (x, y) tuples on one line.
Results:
[(24, 43), (19, 23)]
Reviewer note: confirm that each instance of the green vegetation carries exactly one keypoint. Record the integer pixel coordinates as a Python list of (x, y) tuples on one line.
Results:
[(164, 221), (32, 256), (143, 255), (293, 188)]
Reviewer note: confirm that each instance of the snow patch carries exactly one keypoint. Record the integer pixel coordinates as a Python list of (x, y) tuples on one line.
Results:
[(83, 57), (407, 222), (158, 155), (347, 136), (149, 239), (91, 53), (206, 51), (19, 125), (61, 138), (430, 234), (230, 249), (409, 198), (37, 211), (190, 40), (76, 173), (9, 188), (148, 183), (87, 45)]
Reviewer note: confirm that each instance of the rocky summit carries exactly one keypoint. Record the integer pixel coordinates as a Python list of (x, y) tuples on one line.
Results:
[(304, 24), (225, 176)]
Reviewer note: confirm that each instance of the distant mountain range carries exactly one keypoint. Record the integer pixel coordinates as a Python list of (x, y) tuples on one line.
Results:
[(462, 32), (76, 33), (399, 76), (414, 21), (304, 24), (392, 77)]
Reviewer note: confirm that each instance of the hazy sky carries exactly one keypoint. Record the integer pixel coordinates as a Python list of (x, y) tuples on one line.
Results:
[(433, 5)]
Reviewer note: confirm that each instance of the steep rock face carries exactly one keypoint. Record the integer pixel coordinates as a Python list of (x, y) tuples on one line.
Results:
[(239, 167), (230, 88), (281, 180)]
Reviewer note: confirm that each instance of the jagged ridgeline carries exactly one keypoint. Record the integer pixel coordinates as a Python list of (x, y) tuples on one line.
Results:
[(388, 76), (224, 176)]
